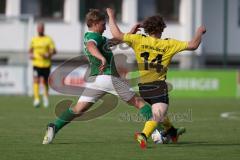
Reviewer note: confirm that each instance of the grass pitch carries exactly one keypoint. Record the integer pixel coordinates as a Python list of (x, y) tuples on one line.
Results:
[(110, 137)]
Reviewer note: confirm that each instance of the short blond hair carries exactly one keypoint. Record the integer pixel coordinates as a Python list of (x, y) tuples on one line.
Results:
[(94, 16)]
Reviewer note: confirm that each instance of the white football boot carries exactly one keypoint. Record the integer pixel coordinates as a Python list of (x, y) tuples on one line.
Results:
[(50, 134)]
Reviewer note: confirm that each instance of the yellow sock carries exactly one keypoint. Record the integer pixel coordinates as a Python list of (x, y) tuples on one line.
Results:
[(167, 124), (149, 127), (36, 91)]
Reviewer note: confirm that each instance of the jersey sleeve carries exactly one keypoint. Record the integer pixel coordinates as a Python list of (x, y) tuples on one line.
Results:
[(131, 39), (94, 38), (177, 46)]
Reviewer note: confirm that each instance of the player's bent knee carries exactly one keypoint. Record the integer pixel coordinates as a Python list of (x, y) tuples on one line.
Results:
[(158, 116), (159, 111)]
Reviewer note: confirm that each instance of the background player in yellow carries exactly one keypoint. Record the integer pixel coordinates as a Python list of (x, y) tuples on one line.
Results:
[(42, 48), (153, 56)]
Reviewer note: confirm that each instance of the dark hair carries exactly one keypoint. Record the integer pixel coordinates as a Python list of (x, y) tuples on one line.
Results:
[(94, 16), (154, 25)]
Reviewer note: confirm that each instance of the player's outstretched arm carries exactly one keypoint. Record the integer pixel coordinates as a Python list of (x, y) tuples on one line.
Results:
[(196, 41), (134, 29), (117, 34)]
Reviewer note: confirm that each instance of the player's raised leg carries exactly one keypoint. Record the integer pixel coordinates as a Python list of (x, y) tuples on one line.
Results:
[(64, 119), (146, 111), (126, 93), (86, 100)]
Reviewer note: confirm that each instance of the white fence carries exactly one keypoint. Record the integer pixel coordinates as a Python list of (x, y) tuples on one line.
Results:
[(17, 80), (13, 80)]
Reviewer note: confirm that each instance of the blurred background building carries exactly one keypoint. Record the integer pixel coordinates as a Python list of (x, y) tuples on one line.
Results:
[(65, 23)]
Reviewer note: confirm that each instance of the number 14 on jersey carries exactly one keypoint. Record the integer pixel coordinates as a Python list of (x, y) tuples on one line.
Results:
[(155, 63)]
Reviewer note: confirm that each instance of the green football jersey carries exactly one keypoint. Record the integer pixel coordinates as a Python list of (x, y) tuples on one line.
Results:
[(101, 43)]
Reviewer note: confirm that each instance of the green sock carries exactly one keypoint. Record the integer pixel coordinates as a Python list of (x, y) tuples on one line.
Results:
[(146, 111), (64, 119)]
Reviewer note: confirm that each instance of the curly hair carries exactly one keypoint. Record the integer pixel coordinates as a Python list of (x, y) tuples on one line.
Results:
[(94, 16), (154, 25)]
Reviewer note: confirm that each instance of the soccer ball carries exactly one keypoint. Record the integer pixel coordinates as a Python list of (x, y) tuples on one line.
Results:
[(158, 138)]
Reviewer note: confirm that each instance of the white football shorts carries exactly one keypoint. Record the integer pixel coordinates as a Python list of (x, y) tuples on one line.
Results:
[(98, 86)]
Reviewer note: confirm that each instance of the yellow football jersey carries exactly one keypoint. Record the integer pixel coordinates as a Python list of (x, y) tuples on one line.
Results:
[(153, 55), (41, 46)]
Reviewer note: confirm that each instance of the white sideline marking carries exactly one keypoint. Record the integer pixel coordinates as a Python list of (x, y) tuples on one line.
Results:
[(231, 115)]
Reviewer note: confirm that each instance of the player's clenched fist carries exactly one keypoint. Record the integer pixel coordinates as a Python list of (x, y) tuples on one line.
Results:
[(110, 12), (202, 29)]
